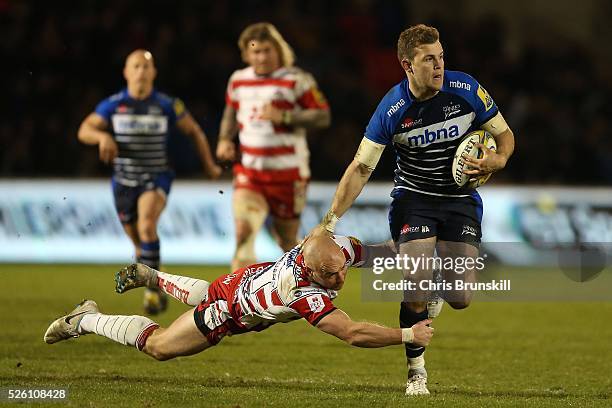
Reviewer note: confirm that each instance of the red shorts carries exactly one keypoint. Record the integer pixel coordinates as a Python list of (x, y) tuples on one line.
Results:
[(218, 316), (286, 199), (213, 316)]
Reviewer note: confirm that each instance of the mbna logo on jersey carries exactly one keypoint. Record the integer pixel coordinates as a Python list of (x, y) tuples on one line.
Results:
[(394, 108), (430, 136)]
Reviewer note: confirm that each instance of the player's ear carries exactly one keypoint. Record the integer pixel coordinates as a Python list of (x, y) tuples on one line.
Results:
[(406, 65)]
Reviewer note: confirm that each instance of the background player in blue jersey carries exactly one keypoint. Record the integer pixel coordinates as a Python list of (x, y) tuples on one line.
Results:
[(131, 129), (425, 117)]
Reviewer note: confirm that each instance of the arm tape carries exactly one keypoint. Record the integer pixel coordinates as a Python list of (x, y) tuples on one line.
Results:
[(496, 125), (369, 153), (407, 335)]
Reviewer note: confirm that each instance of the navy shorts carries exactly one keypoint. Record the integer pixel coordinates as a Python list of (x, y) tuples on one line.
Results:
[(126, 197), (417, 216)]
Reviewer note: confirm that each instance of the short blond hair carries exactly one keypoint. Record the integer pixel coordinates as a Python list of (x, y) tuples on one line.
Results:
[(413, 37), (266, 32)]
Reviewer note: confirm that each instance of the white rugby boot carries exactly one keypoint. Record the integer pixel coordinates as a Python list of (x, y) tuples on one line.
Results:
[(68, 326), (134, 276), (417, 382)]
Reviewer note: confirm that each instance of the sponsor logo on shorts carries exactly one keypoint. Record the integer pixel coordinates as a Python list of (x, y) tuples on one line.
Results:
[(467, 230), (316, 303), (407, 229), (396, 107)]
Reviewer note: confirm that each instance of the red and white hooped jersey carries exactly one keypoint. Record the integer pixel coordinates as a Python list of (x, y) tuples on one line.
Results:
[(279, 292), (273, 152)]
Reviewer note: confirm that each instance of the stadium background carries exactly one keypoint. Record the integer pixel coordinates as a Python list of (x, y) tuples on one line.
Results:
[(549, 73), (548, 66)]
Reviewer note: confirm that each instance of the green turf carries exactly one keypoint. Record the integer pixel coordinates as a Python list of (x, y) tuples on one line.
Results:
[(491, 354)]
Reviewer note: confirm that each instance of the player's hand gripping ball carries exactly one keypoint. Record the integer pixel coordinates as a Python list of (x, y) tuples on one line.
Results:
[(468, 147)]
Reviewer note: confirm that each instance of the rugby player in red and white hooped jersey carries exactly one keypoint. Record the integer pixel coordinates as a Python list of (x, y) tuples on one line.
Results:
[(301, 284), (270, 104)]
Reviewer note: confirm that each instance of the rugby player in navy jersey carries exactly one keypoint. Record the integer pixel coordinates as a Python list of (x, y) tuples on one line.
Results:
[(131, 129), (425, 117)]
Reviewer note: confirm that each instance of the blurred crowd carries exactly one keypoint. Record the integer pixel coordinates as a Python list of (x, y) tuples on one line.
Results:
[(61, 58)]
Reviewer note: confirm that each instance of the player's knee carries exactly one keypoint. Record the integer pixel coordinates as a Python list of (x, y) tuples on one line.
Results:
[(243, 232), (461, 300), (157, 349), (147, 230)]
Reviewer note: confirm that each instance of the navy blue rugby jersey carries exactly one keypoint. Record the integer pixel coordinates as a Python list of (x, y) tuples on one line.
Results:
[(141, 129), (426, 134)]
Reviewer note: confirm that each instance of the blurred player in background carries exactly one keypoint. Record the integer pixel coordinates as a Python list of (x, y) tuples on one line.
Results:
[(270, 104), (131, 129), (425, 117), (301, 284)]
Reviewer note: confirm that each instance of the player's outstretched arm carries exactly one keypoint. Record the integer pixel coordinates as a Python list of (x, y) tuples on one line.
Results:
[(370, 335), (226, 149), (190, 127), (93, 132)]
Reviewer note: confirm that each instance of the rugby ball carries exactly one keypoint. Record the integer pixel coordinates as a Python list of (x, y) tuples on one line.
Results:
[(467, 147)]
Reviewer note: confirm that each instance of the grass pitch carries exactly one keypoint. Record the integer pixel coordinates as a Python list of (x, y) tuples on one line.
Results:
[(491, 354)]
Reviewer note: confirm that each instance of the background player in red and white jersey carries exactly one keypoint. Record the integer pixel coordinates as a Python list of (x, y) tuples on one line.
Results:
[(301, 284), (270, 104)]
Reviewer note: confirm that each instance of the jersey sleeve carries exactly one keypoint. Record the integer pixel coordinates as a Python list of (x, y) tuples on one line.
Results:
[(375, 131), (312, 305), (308, 94), (483, 104), (231, 99), (178, 109), (106, 108), (382, 124), (174, 108), (352, 248)]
